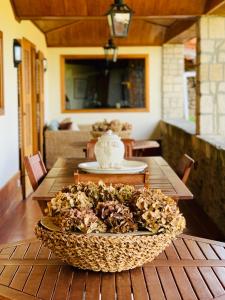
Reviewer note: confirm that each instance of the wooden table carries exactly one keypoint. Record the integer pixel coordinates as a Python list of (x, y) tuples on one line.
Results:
[(190, 268), (145, 144), (161, 177), (142, 147)]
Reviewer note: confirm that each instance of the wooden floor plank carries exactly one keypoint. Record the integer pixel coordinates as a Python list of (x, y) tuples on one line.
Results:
[(48, 282), (138, 284), (201, 224), (78, 285), (18, 223), (123, 285), (93, 283), (168, 283), (63, 284), (192, 226), (153, 284), (183, 284), (198, 283), (108, 286), (20, 277)]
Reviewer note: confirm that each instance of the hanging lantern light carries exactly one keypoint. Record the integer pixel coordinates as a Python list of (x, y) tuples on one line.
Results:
[(17, 53), (119, 17), (45, 64), (111, 51)]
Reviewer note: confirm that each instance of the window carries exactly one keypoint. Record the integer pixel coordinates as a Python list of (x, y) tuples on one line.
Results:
[(90, 83), (1, 76)]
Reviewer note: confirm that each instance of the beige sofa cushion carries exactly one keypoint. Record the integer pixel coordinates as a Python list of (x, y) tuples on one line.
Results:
[(64, 143)]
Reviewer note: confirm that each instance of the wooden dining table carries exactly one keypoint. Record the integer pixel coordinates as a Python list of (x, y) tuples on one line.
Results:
[(190, 268), (162, 177)]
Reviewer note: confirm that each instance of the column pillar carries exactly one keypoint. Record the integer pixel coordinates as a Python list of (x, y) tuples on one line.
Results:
[(210, 101), (173, 81)]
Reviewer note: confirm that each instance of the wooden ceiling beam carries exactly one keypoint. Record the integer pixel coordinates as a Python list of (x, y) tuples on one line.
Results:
[(156, 24), (62, 26), (212, 5), (104, 17), (177, 28)]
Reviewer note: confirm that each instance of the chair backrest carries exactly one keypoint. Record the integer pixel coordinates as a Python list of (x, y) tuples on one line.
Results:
[(35, 168), (132, 179), (184, 167), (128, 145)]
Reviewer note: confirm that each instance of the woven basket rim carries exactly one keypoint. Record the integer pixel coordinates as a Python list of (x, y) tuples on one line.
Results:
[(106, 234)]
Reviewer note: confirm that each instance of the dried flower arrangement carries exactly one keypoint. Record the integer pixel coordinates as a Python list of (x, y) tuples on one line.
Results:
[(115, 125), (88, 208), (83, 212)]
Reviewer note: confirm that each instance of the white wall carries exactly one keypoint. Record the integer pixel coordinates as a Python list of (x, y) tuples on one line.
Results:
[(9, 156), (144, 123)]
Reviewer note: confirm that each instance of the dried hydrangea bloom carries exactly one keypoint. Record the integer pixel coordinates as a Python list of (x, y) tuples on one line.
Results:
[(157, 212), (60, 202), (84, 221), (124, 193), (116, 216), (120, 207), (64, 201), (127, 126), (100, 192), (116, 125)]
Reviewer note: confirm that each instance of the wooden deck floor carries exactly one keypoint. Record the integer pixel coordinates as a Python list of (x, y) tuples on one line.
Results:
[(18, 223)]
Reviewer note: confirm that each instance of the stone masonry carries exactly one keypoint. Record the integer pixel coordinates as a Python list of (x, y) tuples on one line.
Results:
[(207, 180), (173, 82), (211, 76)]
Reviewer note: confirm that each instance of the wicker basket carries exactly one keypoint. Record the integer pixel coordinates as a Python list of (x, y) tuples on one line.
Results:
[(104, 252), (124, 134)]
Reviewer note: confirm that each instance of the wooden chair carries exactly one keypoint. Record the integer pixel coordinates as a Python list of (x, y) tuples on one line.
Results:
[(35, 168), (184, 167), (133, 179), (128, 144)]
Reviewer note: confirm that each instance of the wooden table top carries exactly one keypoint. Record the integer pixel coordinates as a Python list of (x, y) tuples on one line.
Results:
[(190, 268), (162, 177), (145, 144)]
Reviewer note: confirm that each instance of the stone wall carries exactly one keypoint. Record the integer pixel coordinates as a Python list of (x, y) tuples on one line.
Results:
[(207, 181), (191, 82), (211, 75), (173, 81)]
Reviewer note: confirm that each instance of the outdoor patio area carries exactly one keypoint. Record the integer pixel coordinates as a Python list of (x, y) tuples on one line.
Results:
[(112, 149)]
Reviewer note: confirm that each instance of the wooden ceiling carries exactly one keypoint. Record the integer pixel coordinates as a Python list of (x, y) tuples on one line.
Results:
[(82, 23)]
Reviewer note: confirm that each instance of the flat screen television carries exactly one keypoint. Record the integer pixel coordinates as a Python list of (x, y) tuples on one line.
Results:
[(92, 83)]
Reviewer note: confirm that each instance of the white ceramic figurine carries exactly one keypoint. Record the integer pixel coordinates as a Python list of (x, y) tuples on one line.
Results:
[(109, 151)]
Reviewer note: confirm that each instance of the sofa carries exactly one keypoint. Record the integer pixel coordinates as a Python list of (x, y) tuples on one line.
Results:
[(65, 143)]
